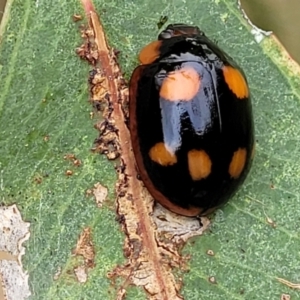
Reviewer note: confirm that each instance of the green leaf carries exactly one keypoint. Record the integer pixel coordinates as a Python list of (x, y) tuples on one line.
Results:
[(44, 115)]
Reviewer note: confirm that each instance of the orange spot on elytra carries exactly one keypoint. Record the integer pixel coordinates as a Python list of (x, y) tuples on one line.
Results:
[(199, 164), (160, 154), (181, 84), (150, 53), (236, 82), (237, 163)]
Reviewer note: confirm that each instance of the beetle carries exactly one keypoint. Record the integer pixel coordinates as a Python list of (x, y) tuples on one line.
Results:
[(190, 121)]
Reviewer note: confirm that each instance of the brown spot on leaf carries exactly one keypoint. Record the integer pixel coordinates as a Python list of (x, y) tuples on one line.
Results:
[(69, 173), (270, 222), (82, 260), (100, 193), (38, 179), (77, 162), (57, 273), (81, 274), (77, 17), (107, 142), (46, 138), (70, 156), (88, 193), (212, 280), (121, 294), (85, 248), (87, 50)]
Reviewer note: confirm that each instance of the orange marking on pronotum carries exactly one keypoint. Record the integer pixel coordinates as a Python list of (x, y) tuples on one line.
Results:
[(237, 163), (160, 154), (236, 82), (150, 53), (199, 164), (181, 84)]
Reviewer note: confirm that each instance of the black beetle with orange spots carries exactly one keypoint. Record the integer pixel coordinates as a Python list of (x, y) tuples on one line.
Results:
[(190, 121)]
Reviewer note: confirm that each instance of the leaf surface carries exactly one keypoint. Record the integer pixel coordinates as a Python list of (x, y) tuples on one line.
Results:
[(45, 115)]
